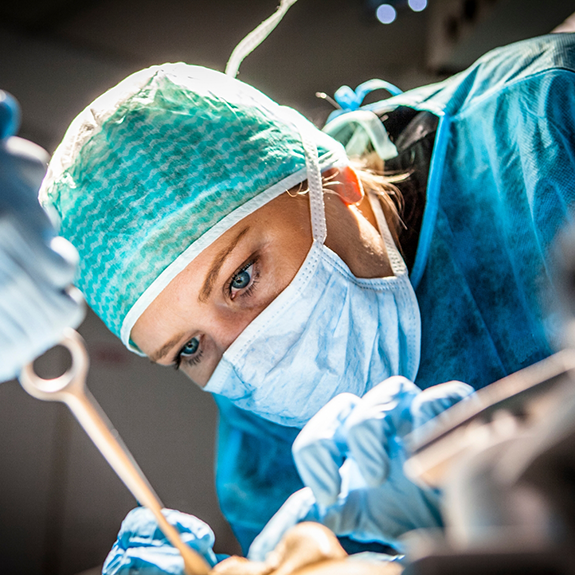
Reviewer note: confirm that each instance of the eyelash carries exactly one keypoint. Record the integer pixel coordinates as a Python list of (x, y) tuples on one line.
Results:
[(189, 360), (246, 292)]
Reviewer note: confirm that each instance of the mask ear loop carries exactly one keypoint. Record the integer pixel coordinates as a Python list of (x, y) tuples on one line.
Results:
[(397, 264), (314, 182)]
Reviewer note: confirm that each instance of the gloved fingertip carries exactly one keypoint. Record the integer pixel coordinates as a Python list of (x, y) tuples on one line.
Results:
[(325, 499), (66, 261), (79, 312), (300, 506), (65, 249), (377, 474), (374, 471), (9, 115), (458, 389), (7, 371), (257, 553), (369, 445), (435, 400)]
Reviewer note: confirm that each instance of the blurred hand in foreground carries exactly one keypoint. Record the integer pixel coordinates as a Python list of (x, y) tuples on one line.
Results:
[(37, 301)]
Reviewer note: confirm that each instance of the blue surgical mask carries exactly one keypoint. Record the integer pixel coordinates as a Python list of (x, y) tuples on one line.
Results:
[(327, 333)]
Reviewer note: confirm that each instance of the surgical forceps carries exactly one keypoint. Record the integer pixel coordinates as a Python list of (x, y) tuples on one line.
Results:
[(70, 388)]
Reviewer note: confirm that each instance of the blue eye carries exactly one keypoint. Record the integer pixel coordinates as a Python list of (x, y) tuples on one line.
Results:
[(191, 347), (190, 354), (242, 279)]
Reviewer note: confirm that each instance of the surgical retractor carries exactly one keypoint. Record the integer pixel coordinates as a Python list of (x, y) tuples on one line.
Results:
[(70, 388)]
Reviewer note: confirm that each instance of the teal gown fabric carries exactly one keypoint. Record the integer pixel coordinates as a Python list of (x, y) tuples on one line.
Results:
[(500, 186)]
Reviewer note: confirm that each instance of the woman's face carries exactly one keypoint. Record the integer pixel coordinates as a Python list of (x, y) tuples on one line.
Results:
[(206, 307)]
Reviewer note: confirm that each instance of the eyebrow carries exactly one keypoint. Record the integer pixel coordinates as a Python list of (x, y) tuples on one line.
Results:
[(217, 265), (165, 348), (205, 291)]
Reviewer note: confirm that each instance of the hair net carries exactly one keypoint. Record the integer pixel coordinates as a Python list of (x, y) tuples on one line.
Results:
[(161, 165)]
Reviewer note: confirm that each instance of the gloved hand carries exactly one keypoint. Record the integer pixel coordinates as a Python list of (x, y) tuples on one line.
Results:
[(36, 266), (141, 547), (350, 456)]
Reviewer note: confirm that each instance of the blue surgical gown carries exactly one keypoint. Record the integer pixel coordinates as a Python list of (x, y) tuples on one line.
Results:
[(501, 184)]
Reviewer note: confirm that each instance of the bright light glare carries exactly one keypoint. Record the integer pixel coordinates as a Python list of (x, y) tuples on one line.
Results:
[(385, 13), (417, 5)]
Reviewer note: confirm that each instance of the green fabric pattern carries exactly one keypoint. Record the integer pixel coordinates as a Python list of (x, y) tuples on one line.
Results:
[(155, 163)]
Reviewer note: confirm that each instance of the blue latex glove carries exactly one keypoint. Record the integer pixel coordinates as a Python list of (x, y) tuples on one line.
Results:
[(36, 266), (141, 547), (350, 456)]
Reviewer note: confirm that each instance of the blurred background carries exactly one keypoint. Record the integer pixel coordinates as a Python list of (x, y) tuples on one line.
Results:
[(60, 504)]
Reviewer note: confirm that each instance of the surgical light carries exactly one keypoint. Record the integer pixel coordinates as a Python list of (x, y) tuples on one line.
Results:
[(385, 13), (417, 5)]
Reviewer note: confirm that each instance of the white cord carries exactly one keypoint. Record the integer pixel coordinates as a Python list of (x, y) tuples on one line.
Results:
[(314, 182), (255, 38)]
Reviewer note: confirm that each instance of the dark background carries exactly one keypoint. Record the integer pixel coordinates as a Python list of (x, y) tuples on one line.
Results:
[(60, 504)]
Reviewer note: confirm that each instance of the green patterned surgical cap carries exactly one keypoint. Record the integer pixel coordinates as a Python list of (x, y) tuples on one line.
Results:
[(159, 167)]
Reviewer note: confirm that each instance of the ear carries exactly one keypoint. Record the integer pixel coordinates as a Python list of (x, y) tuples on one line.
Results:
[(350, 189)]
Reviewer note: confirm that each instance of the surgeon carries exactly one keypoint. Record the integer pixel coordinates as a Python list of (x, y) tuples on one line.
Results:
[(226, 236), (37, 267)]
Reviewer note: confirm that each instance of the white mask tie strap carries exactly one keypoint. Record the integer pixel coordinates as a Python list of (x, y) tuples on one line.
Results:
[(397, 264), (314, 182), (255, 38)]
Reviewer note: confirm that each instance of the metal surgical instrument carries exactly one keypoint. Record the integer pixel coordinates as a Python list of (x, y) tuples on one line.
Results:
[(70, 388)]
